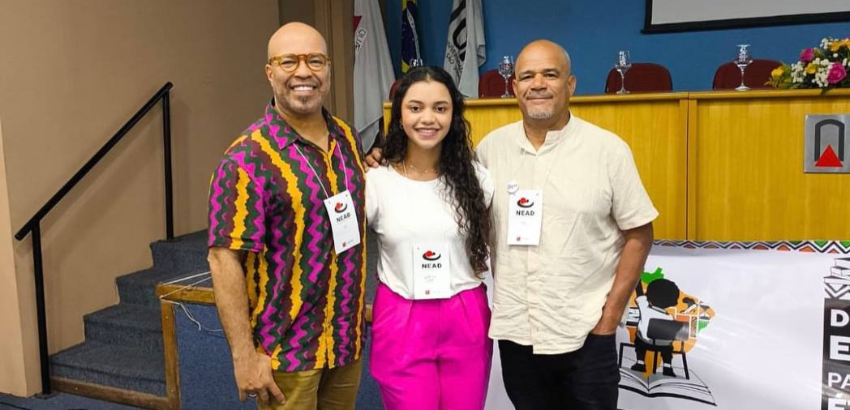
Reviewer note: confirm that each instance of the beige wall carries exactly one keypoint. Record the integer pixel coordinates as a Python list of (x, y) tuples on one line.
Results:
[(333, 18), (11, 340), (71, 73), (305, 11)]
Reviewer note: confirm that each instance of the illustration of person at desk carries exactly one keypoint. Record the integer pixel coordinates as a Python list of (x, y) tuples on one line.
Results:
[(657, 329)]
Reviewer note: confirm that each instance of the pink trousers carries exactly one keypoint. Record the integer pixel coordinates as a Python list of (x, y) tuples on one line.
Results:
[(431, 354)]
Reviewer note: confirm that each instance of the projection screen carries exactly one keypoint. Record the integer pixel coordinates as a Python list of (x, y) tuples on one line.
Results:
[(689, 15)]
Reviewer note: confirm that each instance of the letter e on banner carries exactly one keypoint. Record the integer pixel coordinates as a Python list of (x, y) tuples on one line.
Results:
[(836, 337)]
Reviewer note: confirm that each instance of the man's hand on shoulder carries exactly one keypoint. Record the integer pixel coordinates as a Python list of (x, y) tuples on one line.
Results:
[(254, 379), (374, 158)]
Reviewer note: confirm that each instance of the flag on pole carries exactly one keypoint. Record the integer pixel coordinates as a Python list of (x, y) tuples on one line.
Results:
[(409, 33), (373, 69), (465, 47)]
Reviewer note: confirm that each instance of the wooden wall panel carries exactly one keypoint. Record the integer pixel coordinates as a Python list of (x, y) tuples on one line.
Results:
[(719, 166), (750, 184), (654, 126), (656, 131)]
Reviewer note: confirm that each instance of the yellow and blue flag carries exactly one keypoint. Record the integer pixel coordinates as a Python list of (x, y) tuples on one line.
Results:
[(409, 34)]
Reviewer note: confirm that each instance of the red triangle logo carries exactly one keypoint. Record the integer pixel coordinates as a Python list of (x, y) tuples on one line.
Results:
[(357, 22), (828, 159)]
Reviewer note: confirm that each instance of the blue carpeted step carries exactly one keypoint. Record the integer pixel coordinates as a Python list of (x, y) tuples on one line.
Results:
[(126, 324), (117, 366), (140, 287), (58, 401), (184, 253)]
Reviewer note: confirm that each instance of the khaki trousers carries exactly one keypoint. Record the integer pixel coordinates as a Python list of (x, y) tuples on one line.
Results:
[(319, 389)]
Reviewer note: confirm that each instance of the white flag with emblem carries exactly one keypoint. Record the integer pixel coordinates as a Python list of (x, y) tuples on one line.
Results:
[(465, 46), (373, 69)]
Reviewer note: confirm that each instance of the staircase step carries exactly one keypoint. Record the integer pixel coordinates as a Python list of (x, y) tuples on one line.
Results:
[(140, 287), (110, 365), (126, 324), (183, 253)]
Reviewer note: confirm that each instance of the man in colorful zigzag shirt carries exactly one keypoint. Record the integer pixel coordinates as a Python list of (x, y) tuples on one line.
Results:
[(286, 226)]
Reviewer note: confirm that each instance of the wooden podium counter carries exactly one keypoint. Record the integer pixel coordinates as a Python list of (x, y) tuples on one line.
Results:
[(746, 179), (720, 166)]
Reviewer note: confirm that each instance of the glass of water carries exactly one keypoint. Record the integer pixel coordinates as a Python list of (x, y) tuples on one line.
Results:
[(742, 60), (506, 70), (623, 64)]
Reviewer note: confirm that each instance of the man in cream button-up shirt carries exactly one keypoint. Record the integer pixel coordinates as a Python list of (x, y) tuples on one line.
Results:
[(558, 300)]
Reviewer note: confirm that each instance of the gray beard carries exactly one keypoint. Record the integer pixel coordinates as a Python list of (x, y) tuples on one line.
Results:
[(541, 115)]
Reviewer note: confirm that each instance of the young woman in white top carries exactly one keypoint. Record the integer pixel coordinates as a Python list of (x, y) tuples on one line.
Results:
[(430, 209)]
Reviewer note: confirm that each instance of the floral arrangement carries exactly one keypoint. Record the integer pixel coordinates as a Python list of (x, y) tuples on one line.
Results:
[(823, 67)]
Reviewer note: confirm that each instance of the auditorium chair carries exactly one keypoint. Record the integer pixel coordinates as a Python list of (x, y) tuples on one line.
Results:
[(728, 76), (641, 77), (491, 84), (393, 88)]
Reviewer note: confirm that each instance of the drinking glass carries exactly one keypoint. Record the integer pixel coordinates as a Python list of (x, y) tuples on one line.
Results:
[(624, 63), (506, 70), (742, 60)]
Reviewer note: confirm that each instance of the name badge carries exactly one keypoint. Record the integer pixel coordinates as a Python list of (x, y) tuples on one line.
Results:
[(344, 226), (431, 274), (525, 217)]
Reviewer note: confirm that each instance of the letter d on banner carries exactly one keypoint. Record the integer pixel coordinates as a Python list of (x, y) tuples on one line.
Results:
[(836, 334)]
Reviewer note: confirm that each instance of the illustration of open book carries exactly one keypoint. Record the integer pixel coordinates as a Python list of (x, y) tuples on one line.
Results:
[(658, 385)]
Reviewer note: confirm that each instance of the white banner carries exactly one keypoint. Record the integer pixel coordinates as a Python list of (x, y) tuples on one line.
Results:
[(733, 329)]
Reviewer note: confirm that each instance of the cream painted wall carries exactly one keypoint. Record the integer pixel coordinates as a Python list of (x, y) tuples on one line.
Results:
[(10, 320), (334, 19), (71, 73)]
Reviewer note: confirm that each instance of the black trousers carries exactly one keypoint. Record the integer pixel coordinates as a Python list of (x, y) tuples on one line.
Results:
[(641, 347), (586, 379)]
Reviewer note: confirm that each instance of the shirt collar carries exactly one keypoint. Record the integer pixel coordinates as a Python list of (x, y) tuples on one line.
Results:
[(553, 138), (285, 135)]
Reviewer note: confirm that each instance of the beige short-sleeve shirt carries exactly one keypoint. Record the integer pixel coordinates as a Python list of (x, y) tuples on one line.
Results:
[(550, 296)]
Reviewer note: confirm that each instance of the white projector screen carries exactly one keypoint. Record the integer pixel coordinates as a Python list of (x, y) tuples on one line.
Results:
[(687, 15)]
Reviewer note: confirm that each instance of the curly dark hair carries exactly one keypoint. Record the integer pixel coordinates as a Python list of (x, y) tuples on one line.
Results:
[(662, 293), (456, 165)]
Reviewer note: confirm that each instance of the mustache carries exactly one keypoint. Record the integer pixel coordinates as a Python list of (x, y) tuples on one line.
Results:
[(538, 94), (308, 83)]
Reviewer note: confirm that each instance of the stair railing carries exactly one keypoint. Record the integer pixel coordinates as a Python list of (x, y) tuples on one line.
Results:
[(34, 224)]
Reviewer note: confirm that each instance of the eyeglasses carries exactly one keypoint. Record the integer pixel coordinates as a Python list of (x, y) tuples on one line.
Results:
[(290, 62)]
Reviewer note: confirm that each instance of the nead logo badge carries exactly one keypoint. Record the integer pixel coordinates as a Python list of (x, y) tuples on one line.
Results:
[(524, 205), (432, 257)]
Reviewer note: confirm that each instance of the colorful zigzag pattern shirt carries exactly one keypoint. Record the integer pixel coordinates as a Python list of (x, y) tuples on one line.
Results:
[(266, 197)]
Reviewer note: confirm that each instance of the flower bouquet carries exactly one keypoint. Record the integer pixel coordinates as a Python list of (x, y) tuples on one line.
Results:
[(823, 67)]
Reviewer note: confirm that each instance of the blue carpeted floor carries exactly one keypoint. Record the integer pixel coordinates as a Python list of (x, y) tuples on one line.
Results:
[(59, 401)]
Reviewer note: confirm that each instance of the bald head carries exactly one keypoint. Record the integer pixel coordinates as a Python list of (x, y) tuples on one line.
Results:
[(544, 84), (296, 38), (545, 49), (299, 91)]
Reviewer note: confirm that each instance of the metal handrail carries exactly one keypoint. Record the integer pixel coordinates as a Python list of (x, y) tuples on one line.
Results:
[(33, 226)]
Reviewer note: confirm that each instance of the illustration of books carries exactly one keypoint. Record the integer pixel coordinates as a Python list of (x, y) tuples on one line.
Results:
[(658, 385), (837, 284)]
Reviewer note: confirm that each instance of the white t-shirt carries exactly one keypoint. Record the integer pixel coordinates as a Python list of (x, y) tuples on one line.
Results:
[(551, 295), (648, 313), (404, 212)]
